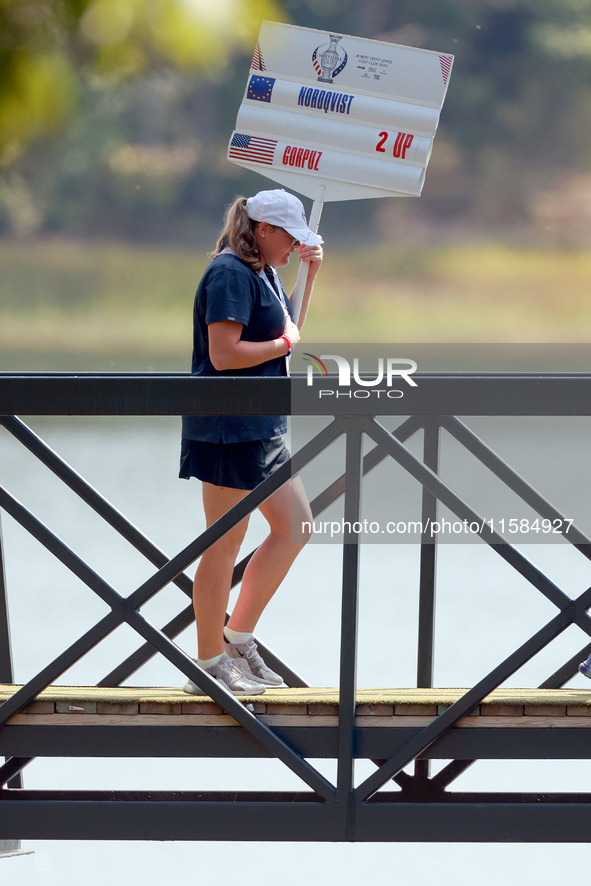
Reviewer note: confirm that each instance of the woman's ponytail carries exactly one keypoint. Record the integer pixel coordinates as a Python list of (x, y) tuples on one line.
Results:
[(238, 234)]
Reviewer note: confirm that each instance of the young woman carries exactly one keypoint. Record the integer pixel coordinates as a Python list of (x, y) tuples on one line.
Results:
[(243, 325)]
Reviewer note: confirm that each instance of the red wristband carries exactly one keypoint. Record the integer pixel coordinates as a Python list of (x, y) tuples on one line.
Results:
[(289, 343)]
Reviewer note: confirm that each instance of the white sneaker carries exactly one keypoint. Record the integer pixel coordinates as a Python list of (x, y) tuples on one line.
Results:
[(231, 676), (246, 656)]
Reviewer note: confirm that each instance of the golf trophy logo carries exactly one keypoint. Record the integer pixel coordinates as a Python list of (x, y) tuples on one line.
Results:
[(329, 62)]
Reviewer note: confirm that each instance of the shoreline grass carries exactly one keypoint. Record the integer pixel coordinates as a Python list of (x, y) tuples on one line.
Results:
[(86, 300)]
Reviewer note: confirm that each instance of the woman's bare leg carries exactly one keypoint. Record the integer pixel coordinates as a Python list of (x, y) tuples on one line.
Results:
[(211, 588), (271, 561)]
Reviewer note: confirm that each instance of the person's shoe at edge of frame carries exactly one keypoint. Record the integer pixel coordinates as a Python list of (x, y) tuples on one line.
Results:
[(248, 658), (231, 676)]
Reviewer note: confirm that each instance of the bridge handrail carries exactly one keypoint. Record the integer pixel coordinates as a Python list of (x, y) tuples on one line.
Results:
[(174, 393), (432, 405)]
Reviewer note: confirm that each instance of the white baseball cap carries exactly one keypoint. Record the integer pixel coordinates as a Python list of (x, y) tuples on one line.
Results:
[(285, 210)]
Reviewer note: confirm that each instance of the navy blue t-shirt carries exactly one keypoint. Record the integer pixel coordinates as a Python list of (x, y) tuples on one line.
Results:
[(230, 290)]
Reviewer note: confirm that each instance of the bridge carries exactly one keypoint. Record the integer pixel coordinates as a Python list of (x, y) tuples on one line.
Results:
[(401, 730)]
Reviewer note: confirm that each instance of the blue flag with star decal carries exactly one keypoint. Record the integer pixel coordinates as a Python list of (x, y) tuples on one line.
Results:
[(260, 88)]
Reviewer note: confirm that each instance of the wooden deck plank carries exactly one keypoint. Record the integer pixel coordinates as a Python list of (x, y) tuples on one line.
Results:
[(411, 721), (317, 702)]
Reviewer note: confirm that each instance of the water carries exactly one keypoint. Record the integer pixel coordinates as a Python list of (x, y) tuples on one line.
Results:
[(484, 611)]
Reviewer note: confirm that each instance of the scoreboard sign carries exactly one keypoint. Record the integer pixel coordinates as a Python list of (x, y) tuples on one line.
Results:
[(339, 118)]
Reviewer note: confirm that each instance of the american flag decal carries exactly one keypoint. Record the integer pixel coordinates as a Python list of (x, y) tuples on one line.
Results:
[(251, 149), (258, 62), (446, 63), (316, 63)]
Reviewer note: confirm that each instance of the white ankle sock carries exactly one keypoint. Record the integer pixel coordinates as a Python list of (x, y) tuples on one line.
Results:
[(207, 663), (237, 636)]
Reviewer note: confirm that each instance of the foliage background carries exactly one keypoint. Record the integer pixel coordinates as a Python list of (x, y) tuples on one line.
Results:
[(114, 121)]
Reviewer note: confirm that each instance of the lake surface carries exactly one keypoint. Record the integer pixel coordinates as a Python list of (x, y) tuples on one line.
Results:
[(484, 611)]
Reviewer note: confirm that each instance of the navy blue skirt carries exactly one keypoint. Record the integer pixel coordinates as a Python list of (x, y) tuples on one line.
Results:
[(236, 465)]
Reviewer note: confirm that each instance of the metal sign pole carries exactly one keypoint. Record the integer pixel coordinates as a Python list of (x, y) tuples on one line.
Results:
[(300, 284)]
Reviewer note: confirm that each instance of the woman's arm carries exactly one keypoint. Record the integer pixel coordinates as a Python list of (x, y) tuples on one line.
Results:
[(314, 255), (228, 351)]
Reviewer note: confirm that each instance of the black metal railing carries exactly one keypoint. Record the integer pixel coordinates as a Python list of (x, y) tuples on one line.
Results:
[(433, 407)]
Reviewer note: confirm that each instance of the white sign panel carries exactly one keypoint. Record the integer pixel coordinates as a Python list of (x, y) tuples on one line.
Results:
[(339, 118)]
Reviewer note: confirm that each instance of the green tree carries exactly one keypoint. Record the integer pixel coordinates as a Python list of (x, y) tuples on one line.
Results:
[(144, 94), (51, 49), (517, 116)]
